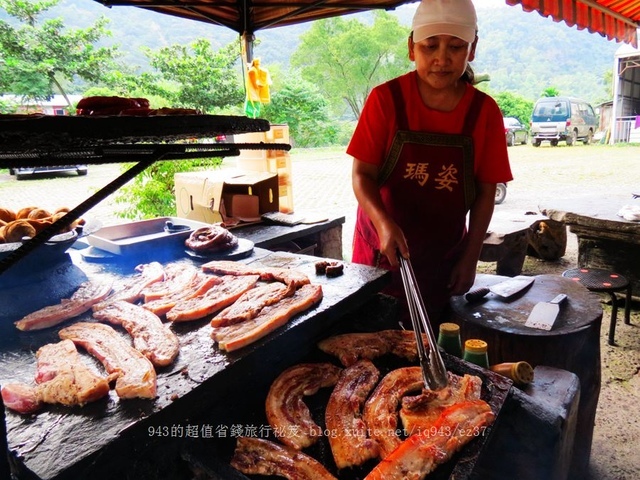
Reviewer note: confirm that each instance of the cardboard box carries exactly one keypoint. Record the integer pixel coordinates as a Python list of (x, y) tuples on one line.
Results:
[(274, 161), (208, 196)]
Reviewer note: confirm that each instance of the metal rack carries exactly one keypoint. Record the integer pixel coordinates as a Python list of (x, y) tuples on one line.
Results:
[(46, 141)]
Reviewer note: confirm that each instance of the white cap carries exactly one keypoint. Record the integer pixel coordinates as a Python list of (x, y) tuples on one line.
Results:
[(445, 17)]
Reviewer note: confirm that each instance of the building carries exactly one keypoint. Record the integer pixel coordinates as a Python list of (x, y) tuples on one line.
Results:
[(56, 105), (625, 110)]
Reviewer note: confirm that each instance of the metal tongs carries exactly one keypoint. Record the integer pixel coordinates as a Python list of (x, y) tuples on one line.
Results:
[(434, 372)]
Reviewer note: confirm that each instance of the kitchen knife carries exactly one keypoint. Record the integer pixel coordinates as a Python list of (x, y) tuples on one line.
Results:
[(544, 314), (505, 289)]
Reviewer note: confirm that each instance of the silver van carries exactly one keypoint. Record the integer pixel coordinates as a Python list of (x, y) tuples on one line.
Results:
[(562, 119)]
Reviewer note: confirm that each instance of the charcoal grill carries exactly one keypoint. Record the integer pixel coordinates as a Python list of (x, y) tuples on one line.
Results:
[(212, 456)]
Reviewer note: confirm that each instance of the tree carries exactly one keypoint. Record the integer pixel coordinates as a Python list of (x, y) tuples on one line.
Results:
[(36, 57), (300, 105), (512, 105), (550, 92), (346, 58), (199, 76), (152, 193)]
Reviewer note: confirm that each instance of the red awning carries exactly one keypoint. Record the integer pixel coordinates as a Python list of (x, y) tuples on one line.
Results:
[(615, 19)]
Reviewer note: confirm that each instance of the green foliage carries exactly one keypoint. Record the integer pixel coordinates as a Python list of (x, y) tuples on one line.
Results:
[(347, 58), (199, 76), (550, 92), (300, 105), (39, 56), (512, 105), (152, 193)]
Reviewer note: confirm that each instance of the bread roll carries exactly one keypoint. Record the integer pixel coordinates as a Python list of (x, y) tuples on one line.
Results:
[(16, 230), (7, 215), (39, 224), (24, 212), (38, 213)]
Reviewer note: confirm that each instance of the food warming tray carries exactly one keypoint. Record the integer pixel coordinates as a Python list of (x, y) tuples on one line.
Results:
[(137, 237)]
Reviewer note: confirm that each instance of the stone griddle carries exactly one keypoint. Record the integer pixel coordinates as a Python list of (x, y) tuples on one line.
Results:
[(96, 440)]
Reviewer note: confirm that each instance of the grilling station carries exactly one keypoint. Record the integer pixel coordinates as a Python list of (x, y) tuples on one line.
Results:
[(207, 393), (207, 397)]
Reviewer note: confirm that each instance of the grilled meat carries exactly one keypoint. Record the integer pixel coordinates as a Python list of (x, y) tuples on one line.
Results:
[(131, 290), (422, 411), (176, 278), (216, 298), (292, 278), (250, 304), (351, 347), (61, 377), (381, 408), (255, 456), (135, 376), (421, 453), (287, 413), (151, 337), (234, 337), (199, 285), (350, 444), (89, 293)]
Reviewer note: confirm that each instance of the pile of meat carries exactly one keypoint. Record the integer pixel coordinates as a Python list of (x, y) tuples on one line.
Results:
[(393, 420), (244, 303), (115, 105)]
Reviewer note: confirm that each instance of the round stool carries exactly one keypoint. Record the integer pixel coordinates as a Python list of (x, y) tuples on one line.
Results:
[(604, 281)]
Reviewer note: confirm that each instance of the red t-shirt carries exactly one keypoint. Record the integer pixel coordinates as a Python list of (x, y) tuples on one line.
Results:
[(377, 126)]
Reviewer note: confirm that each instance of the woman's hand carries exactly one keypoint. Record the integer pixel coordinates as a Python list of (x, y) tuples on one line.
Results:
[(392, 241), (365, 186), (464, 272), (463, 276)]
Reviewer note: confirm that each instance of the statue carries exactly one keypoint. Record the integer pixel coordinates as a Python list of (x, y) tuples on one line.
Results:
[(258, 82)]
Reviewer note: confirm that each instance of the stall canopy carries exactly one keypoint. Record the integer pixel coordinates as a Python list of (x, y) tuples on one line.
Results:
[(615, 19)]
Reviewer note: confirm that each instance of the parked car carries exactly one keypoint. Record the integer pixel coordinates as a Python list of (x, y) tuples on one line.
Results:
[(514, 131), (23, 172), (562, 119)]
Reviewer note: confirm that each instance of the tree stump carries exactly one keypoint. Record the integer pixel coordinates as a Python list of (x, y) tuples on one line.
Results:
[(573, 344)]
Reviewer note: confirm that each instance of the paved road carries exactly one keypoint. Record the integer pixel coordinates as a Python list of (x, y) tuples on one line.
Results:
[(322, 182)]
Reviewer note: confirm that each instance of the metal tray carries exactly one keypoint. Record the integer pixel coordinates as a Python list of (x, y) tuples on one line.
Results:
[(136, 237)]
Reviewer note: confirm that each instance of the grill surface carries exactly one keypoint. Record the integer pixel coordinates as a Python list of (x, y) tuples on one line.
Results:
[(70, 443)]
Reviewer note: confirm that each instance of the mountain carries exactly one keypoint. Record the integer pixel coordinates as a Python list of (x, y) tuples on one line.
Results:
[(522, 52)]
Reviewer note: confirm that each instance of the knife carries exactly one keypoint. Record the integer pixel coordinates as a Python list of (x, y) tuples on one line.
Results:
[(505, 289), (544, 314)]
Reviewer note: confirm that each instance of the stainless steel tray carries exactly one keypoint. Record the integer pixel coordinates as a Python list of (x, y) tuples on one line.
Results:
[(136, 237)]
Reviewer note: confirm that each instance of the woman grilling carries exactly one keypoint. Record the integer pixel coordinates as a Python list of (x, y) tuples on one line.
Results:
[(428, 149)]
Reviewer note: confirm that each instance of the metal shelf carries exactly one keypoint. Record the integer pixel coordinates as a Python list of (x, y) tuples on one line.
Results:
[(35, 141)]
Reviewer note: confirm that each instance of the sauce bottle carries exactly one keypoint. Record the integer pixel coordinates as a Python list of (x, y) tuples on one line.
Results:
[(475, 351), (449, 339), (520, 372)]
